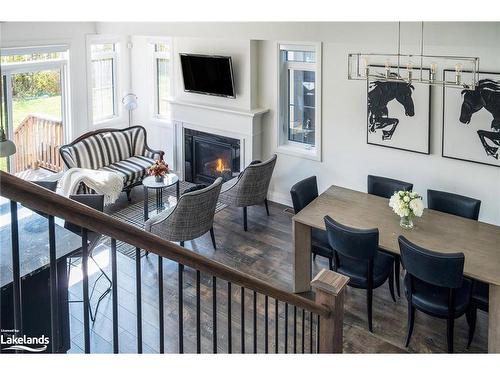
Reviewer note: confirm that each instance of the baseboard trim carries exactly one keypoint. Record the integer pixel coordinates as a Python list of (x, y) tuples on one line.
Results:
[(279, 197)]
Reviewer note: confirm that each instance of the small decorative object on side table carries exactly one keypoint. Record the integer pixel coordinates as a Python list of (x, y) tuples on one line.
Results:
[(407, 205), (151, 182), (159, 169)]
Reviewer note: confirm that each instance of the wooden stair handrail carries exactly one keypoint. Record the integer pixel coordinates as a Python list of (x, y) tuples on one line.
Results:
[(38, 198)]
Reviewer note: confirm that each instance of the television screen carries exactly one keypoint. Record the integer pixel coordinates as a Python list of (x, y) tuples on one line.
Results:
[(211, 75)]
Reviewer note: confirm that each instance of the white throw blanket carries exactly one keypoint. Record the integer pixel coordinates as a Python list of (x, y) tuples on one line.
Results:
[(107, 183)]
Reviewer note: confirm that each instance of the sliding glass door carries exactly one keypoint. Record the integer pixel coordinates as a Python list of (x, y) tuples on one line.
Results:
[(34, 102)]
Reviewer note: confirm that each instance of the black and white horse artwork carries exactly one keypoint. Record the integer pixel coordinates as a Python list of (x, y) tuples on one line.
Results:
[(379, 95), (486, 95)]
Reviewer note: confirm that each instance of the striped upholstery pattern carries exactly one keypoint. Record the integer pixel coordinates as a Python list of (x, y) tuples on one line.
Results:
[(123, 151), (88, 153), (132, 169), (138, 142), (118, 145)]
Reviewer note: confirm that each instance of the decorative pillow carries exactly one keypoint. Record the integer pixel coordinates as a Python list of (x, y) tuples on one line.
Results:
[(194, 188)]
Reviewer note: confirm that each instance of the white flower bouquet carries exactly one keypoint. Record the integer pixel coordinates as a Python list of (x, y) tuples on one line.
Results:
[(407, 205)]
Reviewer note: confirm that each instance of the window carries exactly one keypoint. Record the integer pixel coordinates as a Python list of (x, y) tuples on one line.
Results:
[(299, 120), (103, 81), (34, 104), (163, 74)]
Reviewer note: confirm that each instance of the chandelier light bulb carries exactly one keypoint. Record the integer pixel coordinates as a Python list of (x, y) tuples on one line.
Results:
[(433, 71)]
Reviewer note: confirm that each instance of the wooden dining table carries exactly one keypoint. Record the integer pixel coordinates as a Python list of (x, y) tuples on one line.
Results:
[(438, 231)]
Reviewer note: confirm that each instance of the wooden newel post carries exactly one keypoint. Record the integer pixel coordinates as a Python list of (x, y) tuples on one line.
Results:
[(330, 289)]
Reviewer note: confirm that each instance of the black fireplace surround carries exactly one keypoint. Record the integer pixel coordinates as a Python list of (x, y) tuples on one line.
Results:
[(208, 156)]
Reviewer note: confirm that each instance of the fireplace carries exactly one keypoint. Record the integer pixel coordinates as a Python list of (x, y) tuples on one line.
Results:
[(208, 156)]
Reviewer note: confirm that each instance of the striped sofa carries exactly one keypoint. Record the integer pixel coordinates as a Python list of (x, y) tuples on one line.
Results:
[(123, 151)]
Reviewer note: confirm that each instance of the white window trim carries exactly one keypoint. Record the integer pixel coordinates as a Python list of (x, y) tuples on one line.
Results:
[(8, 70), (285, 146), (34, 66), (154, 57), (120, 44)]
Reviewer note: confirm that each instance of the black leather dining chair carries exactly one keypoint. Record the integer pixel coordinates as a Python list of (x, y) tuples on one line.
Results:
[(385, 187), (303, 193), (479, 300), (358, 257), (454, 204), (434, 284), (467, 207), (49, 185)]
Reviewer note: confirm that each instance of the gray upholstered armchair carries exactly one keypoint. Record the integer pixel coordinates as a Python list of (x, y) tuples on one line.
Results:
[(250, 187), (192, 216)]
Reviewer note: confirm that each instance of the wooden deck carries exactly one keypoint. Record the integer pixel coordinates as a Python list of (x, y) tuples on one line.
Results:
[(265, 251)]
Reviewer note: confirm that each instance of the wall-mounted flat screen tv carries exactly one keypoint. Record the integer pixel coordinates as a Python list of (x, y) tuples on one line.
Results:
[(209, 75)]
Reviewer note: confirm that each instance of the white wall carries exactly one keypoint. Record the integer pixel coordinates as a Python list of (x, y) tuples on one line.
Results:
[(347, 159), (22, 34)]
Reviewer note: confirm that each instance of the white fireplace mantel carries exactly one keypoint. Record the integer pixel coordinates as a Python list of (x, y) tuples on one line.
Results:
[(245, 125)]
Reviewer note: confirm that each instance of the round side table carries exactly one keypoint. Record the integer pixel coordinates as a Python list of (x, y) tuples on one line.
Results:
[(151, 183)]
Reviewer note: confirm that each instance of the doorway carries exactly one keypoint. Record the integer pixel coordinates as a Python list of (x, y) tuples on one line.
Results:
[(34, 98)]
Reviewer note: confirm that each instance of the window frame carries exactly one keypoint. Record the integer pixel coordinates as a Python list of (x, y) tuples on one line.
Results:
[(155, 56), (115, 55), (284, 145)]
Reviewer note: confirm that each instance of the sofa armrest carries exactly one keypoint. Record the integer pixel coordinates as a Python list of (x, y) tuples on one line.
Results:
[(155, 152)]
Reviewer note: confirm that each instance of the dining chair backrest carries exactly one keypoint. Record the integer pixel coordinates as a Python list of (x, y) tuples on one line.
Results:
[(359, 244), (303, 193), (454, 204), (49, 185), (440, 269), (192, 216), (385, 187), (95, 201)]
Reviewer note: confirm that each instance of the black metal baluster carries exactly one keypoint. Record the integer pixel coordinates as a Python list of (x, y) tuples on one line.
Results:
[(310, 332), (54, 300), (181, 309), (214, 311), (138, 298), (266, 324), (16, 271), (198, 313), (294, 329), (242, 319), (303, 330), (114, 291), (317, 335), (85, 282), (254, 321), (160, 304), (229, 327), (276, 320), (286, 328)]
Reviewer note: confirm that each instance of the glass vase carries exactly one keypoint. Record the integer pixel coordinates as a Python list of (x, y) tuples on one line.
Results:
[(406, 222), (159, 178)]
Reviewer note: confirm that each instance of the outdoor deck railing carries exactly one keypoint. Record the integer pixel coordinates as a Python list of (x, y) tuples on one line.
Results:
[(37, 139), (326, 312)]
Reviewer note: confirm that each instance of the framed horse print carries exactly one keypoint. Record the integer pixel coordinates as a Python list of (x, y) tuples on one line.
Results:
[(399, 115), (471, 121)]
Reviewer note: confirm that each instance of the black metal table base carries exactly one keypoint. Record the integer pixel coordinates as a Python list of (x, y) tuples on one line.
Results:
[(159, 198)]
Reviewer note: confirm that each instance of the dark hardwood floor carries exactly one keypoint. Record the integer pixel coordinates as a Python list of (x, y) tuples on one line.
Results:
[(265, 251)]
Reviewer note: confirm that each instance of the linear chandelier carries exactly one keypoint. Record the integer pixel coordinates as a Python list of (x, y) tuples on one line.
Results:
[(463, 72)]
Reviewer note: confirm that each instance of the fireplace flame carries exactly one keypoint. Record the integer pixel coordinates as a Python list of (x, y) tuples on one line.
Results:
[(220, 166)]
